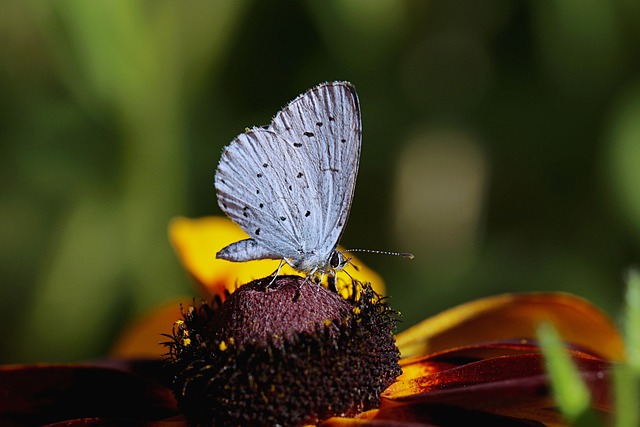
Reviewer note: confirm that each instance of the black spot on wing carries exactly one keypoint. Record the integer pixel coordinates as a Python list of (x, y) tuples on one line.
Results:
[(308, 134)]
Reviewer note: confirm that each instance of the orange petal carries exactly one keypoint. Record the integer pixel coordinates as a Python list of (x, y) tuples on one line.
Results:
[(419, 366), (501, 383), (142, 338), (433, 415), (514, 387), (519, 373), (515, 316), (356, 422), (197, 241)]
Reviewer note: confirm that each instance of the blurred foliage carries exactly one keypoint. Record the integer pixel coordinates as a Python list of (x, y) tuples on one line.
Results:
[(572, 395), (501, 145)]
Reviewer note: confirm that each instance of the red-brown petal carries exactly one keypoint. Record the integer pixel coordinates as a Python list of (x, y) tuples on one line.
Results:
[(101, 422), (426, 415), (515, 316), (419, 366), (513, 386), (372, 422), (47, 394)]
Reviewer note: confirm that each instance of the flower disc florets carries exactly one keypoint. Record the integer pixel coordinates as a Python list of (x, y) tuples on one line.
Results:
[(289, 353)]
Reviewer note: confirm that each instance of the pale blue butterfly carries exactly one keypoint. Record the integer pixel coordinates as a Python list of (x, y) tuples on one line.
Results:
[(290, 185)]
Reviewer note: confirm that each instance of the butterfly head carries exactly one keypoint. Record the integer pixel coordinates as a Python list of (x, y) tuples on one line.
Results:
[(337, 260)]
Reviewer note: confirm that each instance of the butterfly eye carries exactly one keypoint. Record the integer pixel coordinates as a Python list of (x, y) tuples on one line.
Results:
[(336, 260)]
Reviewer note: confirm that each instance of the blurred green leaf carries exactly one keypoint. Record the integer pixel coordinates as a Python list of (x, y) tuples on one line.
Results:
[(627, 395), (78, 296), (632, 321), (570, 392), (134, 65), (625, 154)]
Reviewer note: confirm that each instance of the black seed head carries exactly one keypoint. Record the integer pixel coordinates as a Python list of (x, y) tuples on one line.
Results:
[(283, 353)]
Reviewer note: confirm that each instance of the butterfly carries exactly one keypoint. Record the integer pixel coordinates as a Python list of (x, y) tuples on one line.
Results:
[(289, 185)]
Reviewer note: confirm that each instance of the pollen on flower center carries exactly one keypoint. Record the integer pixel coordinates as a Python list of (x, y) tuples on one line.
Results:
[(291, 353)]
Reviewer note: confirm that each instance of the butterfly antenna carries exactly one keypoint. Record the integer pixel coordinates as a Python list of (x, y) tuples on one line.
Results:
[(373, 251)]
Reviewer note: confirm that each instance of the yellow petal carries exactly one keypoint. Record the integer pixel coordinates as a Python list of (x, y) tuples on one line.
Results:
[(514, 316), (197, 241)]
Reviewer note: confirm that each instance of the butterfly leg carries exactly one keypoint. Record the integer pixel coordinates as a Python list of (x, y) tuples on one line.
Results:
[(306, 279), (275, 273), (332, 281), (309, 277)]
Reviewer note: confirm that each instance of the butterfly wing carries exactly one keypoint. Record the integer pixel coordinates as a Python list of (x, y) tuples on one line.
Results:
[(331, 140), (290, 186), (257, 190)]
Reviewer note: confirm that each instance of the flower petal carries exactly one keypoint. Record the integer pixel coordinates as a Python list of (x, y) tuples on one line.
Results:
[(514, 316), (101, 422), (420, 366), (45, 394), (514, 385), (143, 337), (384, 422), (428, 415), (197, 241)]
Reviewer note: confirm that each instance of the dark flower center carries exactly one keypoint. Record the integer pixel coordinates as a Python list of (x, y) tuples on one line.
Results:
[(291, 353)]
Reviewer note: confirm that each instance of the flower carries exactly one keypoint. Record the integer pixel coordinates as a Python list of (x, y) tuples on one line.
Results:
[(196, 242), (472, 364)]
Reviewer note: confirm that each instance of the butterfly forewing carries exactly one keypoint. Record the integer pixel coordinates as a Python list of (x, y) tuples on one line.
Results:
[(330, 140), (290, 186)]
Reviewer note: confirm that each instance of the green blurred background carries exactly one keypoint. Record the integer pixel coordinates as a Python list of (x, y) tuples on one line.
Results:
[(501, 145)]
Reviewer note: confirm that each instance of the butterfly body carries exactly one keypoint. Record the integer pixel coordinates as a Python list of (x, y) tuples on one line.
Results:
[(290, 185)]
